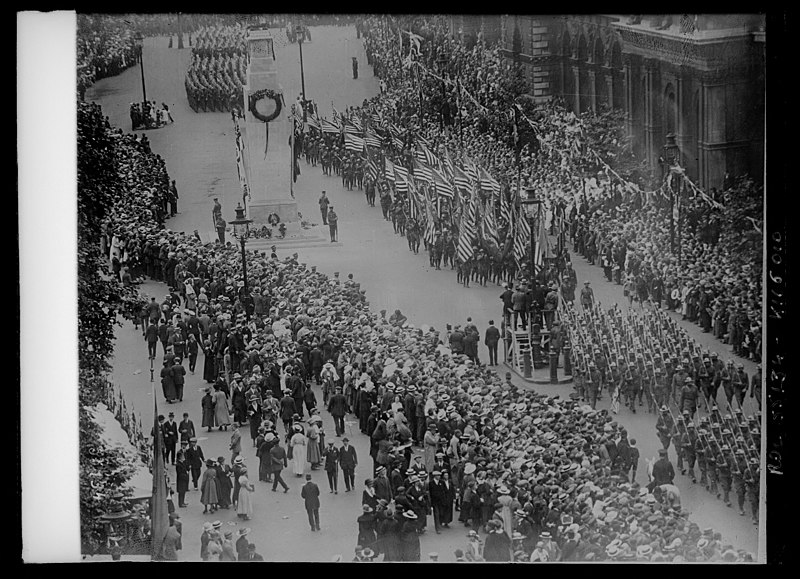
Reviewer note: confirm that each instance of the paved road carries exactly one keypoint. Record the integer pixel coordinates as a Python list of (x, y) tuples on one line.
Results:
[(198, 150)]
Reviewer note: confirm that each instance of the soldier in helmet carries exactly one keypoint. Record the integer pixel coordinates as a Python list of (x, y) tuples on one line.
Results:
[(700, 453), (579, 372), (689, 443), (725, 468), (689, 396), (614, 385), (725, 376), (755, 386), (648, 379), (704, 378), (678, 380), (660, 388), (739, 467), (740, 381), (593, 381), (678, 430), (665, 426), (752, 482)]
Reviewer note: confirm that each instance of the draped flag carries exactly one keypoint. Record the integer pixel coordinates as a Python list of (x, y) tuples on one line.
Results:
[(430, 224), (461, 179), (490, 230), (414, 201), (313, 123), (159, 515), (372, 168), (353, 143), (401, 179), (522, 238), (467, 231), (488, 183), (388, 170)]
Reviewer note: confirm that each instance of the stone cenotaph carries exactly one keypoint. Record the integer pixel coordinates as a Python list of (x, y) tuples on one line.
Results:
[(267, 154)]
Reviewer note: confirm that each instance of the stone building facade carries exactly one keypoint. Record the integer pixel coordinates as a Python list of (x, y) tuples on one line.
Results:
[(697, 77)]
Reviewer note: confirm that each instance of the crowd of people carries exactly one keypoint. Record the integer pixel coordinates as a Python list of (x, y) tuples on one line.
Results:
[(105, 46), (148, 115), (220, 40), (214, 82)]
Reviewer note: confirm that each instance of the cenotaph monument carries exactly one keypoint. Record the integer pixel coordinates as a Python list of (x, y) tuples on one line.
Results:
[(267, 154)]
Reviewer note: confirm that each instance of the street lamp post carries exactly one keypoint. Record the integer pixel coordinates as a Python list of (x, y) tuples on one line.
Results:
[(241, 228), (140, 42), (300, 32)]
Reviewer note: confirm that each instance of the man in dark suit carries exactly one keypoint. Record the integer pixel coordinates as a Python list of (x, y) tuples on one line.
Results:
[(251, 554), (242, 544), (195, 458), (337, 406), (178, 378), (491, 339), (310, 493), (186, 428), (169, 430), (287, 410), (348, 461)]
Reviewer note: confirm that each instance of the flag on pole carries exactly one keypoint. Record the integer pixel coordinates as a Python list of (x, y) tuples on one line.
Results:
[(490, 229), (430, 224), (543, 249), (388, 169), (414, 201), (401, 179), (372, 169), (467, 231), (356, 124), (313, 123), (505, 208), (522, 238), (471, 170), (447, 164), (329, 127), (159, 515), (488, 183), (372, 140), (422, 172), (461, 179), (353, 143), (443, 188)]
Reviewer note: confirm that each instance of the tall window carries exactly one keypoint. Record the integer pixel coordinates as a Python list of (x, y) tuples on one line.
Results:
[(670, 110)]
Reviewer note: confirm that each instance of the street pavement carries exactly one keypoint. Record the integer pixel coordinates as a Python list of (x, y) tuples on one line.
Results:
[(199, 151)]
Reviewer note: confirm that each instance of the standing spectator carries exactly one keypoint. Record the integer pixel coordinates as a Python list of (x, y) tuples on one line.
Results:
[(331, 457), (178, 373), (170, 434), (298, 443), (182, 476), (244, 504), (324, 202), (491, 339), (348, 460), (195, 458), (310, 495), (278, 462)]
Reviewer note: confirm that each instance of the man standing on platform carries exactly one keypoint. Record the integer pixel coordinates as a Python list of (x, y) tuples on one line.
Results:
[(323, 207), (333, 221)]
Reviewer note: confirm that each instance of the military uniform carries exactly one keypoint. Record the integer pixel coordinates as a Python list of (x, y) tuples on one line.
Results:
[(689, 443), (593, 382), (724, 468), (700, 453), (752, 484), (740, 466), (740, 382), (689, 395)]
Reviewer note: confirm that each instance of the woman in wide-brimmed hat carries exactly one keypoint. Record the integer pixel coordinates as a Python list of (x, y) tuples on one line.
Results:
[(208, 488)]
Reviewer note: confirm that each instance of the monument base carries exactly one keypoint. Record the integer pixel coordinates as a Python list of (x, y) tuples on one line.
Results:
[(260, 210)]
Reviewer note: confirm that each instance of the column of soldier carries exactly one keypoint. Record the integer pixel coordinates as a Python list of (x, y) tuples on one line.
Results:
[(218, 69), (649, 355)]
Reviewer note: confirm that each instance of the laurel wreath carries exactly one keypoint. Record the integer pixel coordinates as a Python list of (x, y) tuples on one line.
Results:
[(265, 93)]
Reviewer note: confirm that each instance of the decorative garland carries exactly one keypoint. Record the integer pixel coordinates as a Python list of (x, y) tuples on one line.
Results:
[(271, 94)]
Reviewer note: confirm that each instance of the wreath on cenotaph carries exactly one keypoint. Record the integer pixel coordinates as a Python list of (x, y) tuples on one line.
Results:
[(261, 94)]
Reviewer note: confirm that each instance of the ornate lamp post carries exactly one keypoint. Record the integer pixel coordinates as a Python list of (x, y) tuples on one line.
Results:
[(241, 230)]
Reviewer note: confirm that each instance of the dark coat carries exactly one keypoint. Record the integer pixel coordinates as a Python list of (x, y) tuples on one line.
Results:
[(207, 404), (492, 336), (182, 472), (348, 457), (497, 547), (337, 405), (288, 408), (186, 429), (310, 492), (278, 459)]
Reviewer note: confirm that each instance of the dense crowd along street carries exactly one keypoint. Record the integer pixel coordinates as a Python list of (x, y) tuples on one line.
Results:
[(296, 356)]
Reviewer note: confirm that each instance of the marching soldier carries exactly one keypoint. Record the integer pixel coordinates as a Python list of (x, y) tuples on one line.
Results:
[(700, 453), (678, 380), (660, 388), (711, 469), (614, 385), (593, 382), (677, 435), (665, 426), (689, 396), (649, 379), (726, 375), (752, 482), (740, 467), (578, 376), (704, 377), (689, 445), (725, 467), (740, 381)]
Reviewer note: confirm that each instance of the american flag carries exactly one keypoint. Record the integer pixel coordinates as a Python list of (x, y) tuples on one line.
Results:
[(505, 208), (443, 188), (467, 231), (522, 239), (422, 172), (447, 164), (329, 127), (372, 168), (372, 140), (424, 154), (461, 179), (488, 183), (401, 178), (314, 123), (414, 200), (543, 249), (490, 229), (356, 123), (388, 170), (471, 169), (430, 225), (353, 143)]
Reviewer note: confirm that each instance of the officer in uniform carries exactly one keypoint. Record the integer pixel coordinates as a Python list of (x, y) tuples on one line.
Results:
[(689, 395), (665, 426)]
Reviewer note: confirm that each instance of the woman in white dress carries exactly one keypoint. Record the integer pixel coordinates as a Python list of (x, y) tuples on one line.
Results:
[(298, 444), (244, 505)]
